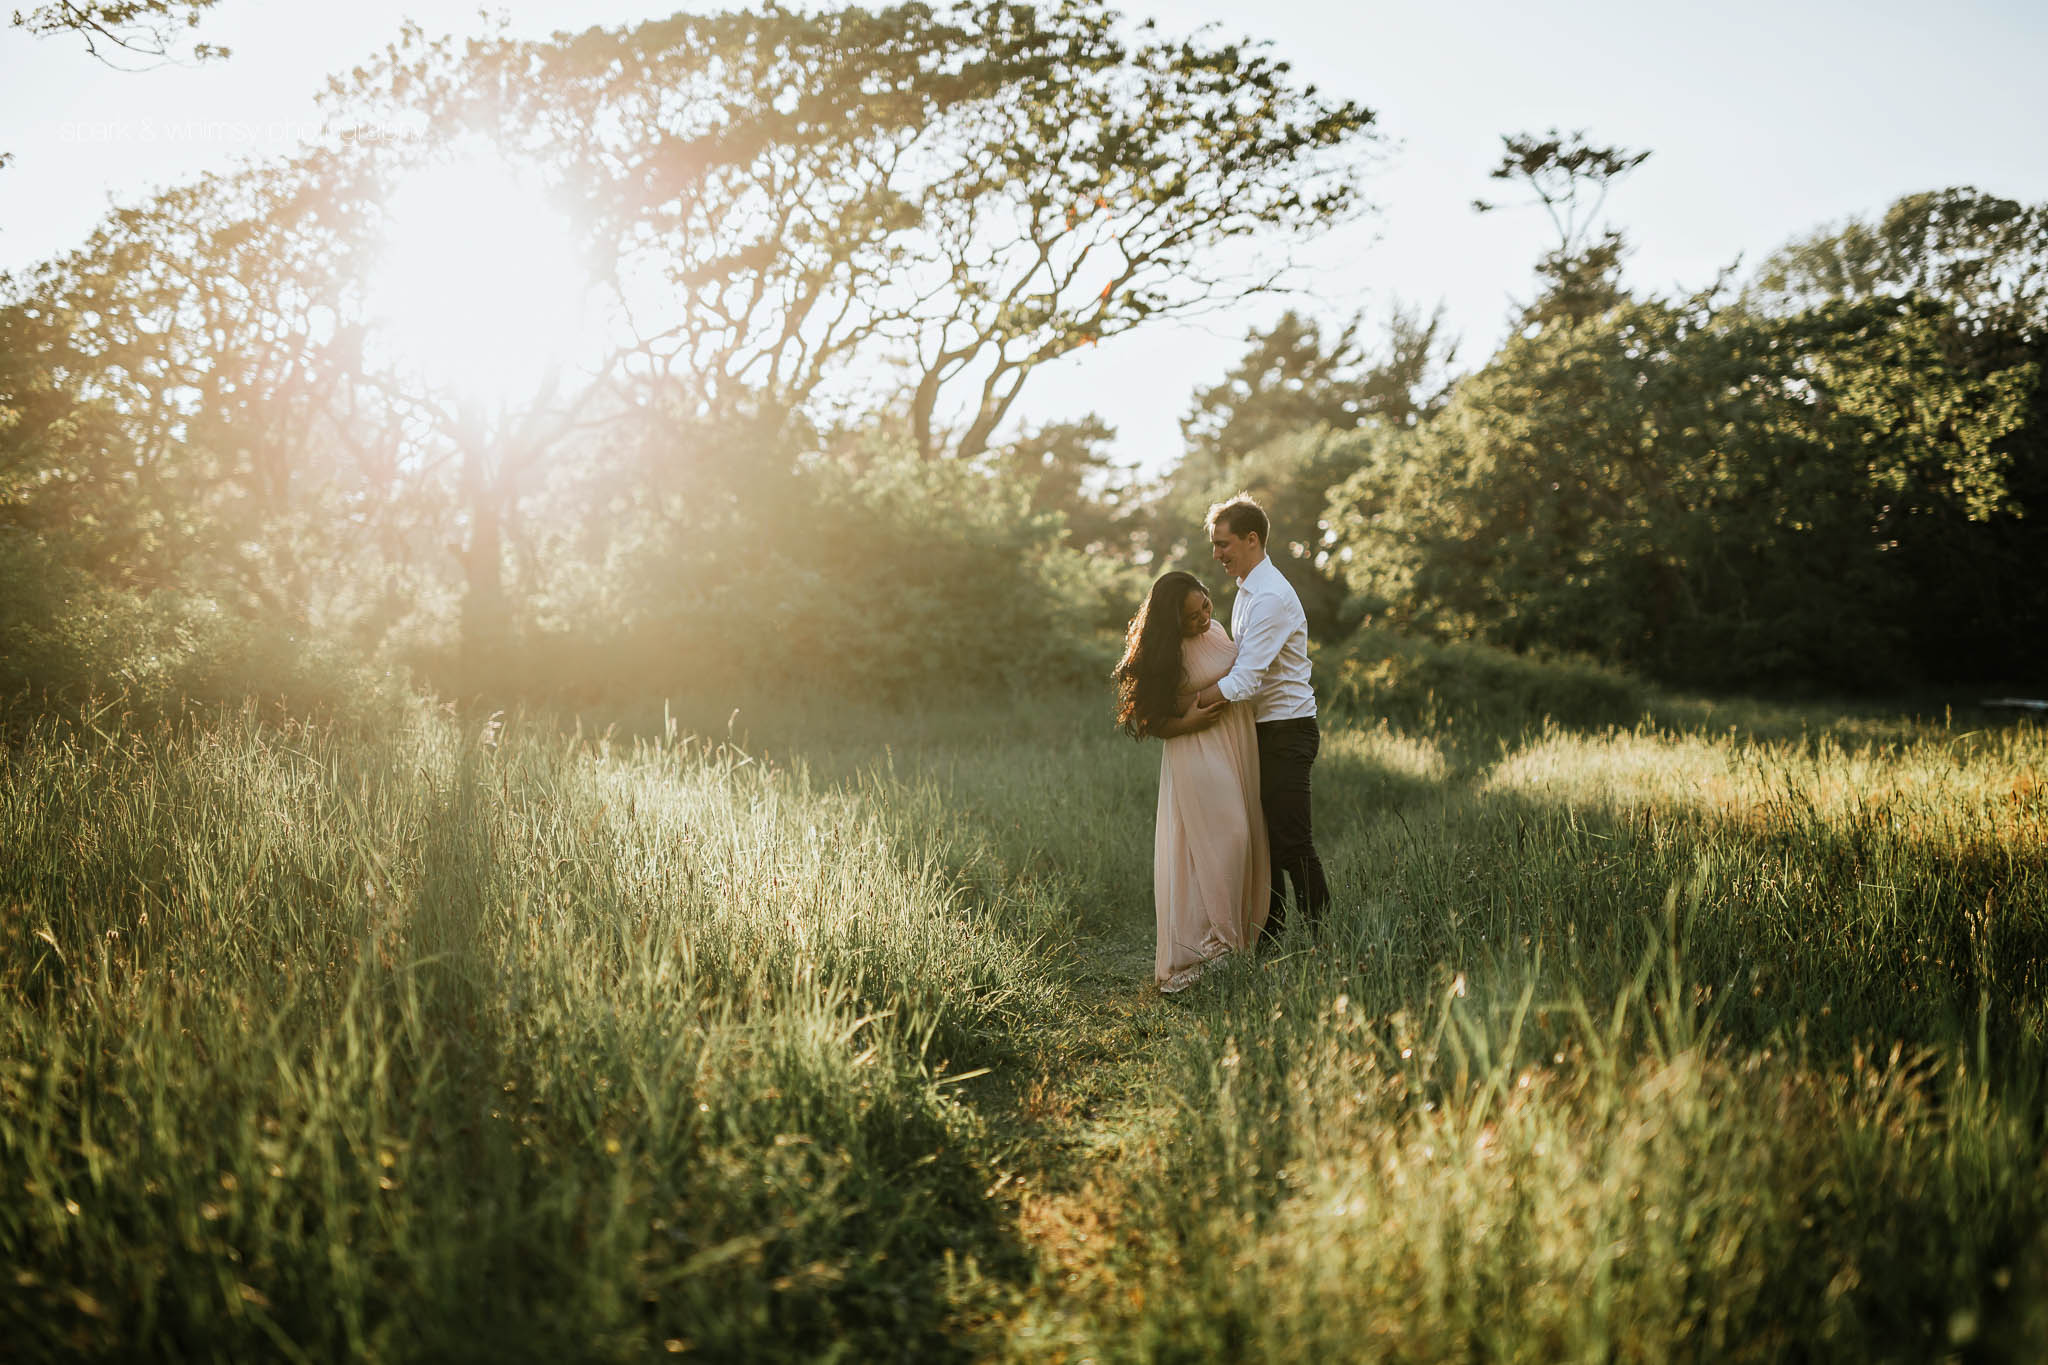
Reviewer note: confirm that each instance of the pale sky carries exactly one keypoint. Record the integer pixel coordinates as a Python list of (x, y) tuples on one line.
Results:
[(1765, 119)]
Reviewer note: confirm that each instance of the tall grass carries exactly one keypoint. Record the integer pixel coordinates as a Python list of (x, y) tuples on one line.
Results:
[(829, 1038), (1630, 1045), (459, 1047)]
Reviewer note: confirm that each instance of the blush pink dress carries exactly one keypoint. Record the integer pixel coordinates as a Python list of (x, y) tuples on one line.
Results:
[(1210, 882)]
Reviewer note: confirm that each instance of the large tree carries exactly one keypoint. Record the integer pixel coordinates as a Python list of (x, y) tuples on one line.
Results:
[(976, 189), (777, 203), (1982, 261), (166, 381), (775, 206)]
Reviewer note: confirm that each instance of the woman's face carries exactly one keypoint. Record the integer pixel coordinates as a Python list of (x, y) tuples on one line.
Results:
[(1194, 615)]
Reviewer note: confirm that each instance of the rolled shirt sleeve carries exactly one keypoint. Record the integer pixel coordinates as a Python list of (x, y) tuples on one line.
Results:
[(1263, 632)]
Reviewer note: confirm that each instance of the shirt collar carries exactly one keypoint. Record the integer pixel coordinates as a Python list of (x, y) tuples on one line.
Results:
[(1251, 581)]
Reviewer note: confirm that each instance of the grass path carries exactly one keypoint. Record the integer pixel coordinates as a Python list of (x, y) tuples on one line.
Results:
[(1551, 946), (1087, 1128), (1095, 1110)]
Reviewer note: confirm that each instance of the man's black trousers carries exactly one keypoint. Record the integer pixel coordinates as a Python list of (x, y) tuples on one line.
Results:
[(1287, 750)]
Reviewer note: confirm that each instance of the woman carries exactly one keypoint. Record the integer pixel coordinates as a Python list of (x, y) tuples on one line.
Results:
[(1210, 887)]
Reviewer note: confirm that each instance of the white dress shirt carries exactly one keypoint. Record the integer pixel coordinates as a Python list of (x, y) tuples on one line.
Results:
[(1271, 632)]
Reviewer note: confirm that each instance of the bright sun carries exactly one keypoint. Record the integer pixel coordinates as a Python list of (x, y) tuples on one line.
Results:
[(478, 286)]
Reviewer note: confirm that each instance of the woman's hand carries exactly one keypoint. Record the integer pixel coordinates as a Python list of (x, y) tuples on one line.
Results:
[(1195, 719)]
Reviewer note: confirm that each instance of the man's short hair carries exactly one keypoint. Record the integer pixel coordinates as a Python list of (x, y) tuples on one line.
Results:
[(1243, 516)]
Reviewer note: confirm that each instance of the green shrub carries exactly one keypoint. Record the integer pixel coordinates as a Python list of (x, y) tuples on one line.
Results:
[(891, 579), (1381, 673), (69, 642)]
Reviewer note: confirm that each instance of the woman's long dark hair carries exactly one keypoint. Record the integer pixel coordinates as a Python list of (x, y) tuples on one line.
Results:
[(1148, 676)]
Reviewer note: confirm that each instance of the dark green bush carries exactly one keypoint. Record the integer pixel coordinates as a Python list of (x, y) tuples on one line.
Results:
[(1381, 673), (892, 579)]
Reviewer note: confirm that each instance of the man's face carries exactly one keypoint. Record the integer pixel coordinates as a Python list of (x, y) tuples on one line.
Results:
[(1238, 555)]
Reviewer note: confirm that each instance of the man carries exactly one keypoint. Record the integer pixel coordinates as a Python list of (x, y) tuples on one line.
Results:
[(1271, 673)]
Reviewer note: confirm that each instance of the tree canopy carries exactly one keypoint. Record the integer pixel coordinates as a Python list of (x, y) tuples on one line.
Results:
[(794, 224), (1983, 256), (1834, 479)]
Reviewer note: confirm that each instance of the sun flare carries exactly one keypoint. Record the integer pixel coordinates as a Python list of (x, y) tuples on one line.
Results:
[(478, 286)]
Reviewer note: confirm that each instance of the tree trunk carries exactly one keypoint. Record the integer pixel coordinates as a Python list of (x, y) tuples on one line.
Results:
[(486, 612)]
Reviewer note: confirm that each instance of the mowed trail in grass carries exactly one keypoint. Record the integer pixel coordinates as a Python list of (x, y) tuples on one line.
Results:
[(464, 1042)]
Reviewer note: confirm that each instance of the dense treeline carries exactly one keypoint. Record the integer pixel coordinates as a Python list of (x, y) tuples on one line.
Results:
[(1832, 477), (220, 469)]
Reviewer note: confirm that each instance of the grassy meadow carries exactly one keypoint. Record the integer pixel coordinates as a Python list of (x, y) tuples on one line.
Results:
[(1703, 1033)]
